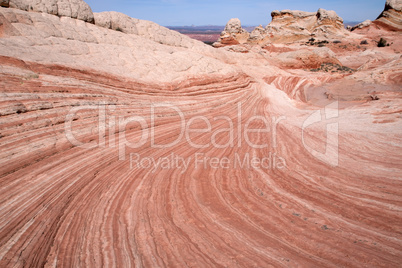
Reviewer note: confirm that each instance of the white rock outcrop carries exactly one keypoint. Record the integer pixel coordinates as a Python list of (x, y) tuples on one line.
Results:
[(288, 25), (257, 35), (362, 25), (116, 21), (73, 43), (394, 4), (76, 9), (148, 29), (233, 26), (329, 17), (233, 34)]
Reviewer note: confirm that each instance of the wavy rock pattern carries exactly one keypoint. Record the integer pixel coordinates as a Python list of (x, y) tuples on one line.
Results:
[(59, 200), (62, 205)]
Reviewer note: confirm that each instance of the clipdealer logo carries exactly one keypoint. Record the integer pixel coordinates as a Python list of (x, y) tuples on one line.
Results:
[(238, 130), (118, 133)]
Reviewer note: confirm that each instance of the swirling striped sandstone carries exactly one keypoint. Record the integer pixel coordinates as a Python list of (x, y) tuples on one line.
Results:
[(88, 205), (66, 206)]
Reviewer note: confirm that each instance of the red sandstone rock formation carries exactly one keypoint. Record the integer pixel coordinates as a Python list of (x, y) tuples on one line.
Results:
[(233, 34), (391, 17), (85, 110), (287, 26), (290, 26)]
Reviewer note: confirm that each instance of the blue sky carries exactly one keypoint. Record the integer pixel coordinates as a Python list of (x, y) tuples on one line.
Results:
[(218, 12)]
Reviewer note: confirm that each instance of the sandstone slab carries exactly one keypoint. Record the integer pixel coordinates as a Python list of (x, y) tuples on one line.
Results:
[(82, 107)]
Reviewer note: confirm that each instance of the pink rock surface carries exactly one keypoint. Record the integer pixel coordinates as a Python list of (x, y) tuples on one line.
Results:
[(75, 191)]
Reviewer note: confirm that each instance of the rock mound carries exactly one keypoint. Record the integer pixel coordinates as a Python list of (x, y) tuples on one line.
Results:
[(362, 25), (258, 35), (290, 26), (116, 21), (148, 29), (76, 9), (70, 42), (329, 18), (233, 34)]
